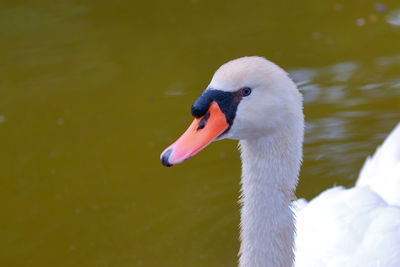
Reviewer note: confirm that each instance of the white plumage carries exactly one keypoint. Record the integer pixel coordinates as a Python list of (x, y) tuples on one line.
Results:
[(382, 171), (359, 226), (341, 227)]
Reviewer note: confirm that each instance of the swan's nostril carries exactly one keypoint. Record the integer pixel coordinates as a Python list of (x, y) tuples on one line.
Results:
[(202, 123), (165, 158)]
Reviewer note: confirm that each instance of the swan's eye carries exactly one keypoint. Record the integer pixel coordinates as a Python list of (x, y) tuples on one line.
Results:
[(246, 91)]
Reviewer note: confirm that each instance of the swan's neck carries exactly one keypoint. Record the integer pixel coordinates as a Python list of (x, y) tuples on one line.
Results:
[(270, 168)]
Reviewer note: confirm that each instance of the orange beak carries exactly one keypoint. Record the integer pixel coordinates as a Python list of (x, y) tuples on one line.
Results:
[(200, 133)]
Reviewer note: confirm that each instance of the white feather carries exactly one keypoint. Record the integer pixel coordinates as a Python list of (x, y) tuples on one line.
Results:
[(359, 226), (341, 227), (382, 171)]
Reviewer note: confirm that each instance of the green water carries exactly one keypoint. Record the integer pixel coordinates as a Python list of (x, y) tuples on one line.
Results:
[(91, 93)]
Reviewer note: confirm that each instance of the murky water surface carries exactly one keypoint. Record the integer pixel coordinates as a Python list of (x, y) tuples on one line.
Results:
[(91, 92)]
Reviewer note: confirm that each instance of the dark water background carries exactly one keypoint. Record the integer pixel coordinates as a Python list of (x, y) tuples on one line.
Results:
[(91, 93)]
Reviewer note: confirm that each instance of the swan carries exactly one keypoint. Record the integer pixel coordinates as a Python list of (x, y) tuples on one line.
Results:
[(252, 100)]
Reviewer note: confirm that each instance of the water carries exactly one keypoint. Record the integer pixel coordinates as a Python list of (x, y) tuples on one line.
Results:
[(91, 93)]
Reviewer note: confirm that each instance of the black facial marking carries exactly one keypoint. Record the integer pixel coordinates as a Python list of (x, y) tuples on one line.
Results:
[(227, 101)]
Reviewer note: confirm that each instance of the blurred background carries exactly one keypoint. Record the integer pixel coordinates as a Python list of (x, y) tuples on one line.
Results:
[(91, 92)]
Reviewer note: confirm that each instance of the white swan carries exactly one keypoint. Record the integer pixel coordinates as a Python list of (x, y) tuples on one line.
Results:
[(252, 100)]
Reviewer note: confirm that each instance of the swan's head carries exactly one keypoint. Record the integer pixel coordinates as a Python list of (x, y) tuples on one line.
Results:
[(247, 98)]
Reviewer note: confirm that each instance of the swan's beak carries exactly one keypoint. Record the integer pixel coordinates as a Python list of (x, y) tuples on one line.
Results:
[(200, 133)]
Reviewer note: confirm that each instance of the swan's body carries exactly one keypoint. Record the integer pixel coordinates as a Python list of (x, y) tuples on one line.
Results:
[(254, 101), (359, 226)]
